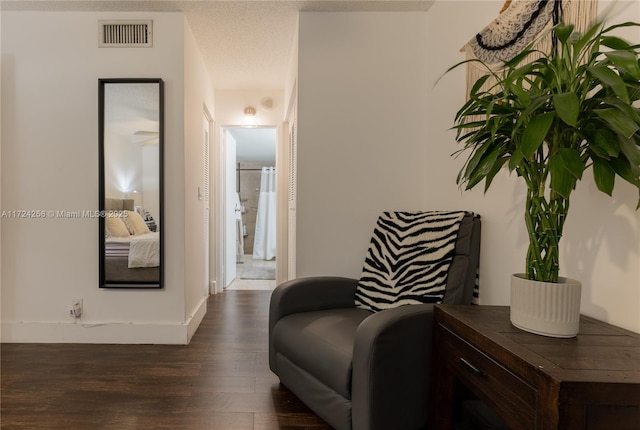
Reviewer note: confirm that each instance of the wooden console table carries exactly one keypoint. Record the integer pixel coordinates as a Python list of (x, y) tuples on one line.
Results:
[(534, 382)]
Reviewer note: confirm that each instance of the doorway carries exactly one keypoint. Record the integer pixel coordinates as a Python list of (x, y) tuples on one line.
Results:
[(250, 208)]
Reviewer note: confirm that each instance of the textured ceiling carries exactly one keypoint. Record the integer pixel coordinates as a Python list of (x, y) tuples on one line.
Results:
[(245, 44)]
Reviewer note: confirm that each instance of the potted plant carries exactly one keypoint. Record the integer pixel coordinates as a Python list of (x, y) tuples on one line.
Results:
[(549, 116)]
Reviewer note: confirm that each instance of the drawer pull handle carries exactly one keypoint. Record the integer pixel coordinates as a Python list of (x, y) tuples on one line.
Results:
[(473, 369)]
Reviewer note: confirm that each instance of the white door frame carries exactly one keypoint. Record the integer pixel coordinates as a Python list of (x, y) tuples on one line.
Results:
[(218, 224), (208, 128), (220, 219)]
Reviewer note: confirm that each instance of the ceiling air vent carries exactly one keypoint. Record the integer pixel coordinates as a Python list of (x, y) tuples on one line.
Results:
[(126, 33)]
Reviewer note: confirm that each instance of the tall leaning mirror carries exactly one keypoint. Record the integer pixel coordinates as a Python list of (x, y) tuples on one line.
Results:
[(131, 139)]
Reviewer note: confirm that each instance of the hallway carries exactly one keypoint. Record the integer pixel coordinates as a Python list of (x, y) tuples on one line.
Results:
[(220, 381), (254, 275)]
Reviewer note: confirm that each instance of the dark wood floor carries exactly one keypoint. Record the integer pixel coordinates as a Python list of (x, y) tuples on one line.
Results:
[(220, 381)]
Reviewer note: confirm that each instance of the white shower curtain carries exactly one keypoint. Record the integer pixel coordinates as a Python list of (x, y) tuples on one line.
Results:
[(264, 245)]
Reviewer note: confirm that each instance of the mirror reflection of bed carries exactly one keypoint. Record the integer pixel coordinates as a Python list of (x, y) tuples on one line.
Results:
[(132, 248), (131, 182)]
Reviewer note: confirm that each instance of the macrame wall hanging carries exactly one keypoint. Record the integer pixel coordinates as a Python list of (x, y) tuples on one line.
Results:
[(519, 23)]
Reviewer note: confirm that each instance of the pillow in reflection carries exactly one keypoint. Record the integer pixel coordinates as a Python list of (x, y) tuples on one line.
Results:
[(139, 226), (127, 222), (115, 227)]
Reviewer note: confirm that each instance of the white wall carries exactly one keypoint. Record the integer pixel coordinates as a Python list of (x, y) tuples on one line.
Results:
[(362, 132), (374, 135), (199, 97), (1, 204), (50, 69)]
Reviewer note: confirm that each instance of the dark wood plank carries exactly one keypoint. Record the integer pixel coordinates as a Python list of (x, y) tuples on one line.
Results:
[(590, 381), (220, 381)]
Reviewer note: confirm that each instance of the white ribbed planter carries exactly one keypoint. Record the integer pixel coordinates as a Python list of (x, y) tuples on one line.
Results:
[(546, 308)]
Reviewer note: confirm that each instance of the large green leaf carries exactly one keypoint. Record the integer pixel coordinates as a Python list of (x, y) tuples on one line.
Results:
[(522, 71), (634, 92), (622, 24), (611, 79), (535, 133), (625, 171), (625, 60), (618, 121), (614, 42), (631, 149), (595, 151), (516, 158), (572, 161), (603, 175), (536, 103), (497, 165), (623, 107), (562, 180), (475, 159), (605, 140), (586, 39), (482, 169), (520, 94), (567, 107), (479, 83)]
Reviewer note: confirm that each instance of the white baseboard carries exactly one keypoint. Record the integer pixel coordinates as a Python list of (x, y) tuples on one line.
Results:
[(108, 332), (193, 322)]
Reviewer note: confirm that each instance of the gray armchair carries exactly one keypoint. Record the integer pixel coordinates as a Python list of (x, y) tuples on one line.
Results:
[(355, 368)]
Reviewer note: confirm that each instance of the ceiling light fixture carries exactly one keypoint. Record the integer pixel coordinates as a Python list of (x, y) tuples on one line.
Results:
[(249, 120)]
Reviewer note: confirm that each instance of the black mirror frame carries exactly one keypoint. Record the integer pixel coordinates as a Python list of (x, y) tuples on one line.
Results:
[(101, 182)]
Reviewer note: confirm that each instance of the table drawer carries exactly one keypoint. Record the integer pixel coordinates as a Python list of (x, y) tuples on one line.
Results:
[(503, 391)]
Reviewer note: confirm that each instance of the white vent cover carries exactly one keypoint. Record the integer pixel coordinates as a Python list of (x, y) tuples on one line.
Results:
[(126, 33)]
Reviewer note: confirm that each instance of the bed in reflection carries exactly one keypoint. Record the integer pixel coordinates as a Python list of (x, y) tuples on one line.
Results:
[(132, 245)]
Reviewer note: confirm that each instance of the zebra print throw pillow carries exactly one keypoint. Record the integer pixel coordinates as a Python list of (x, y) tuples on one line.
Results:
[(408, 259)]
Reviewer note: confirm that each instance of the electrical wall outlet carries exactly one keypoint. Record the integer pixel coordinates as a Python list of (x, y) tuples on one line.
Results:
[(75, 310)]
